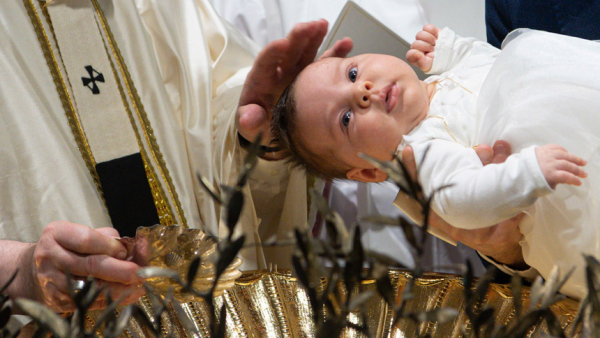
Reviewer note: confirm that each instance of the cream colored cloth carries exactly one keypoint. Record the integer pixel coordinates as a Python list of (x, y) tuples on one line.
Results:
[(188, 67)]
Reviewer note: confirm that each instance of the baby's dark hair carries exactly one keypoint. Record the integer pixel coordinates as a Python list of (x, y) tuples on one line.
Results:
[(285, 134)]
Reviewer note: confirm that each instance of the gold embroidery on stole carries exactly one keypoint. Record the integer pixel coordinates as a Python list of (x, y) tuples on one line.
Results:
[(157, 190), (162, 205)]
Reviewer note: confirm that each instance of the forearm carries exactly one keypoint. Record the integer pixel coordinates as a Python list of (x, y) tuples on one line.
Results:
[(500, 243), (509, 254), (17, 256), (480, 197)]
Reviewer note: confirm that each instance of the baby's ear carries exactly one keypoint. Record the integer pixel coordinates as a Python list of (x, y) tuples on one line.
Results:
[(366, 175)]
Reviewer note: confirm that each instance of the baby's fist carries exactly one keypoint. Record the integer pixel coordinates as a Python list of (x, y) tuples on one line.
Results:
[(560, 166), (421, 51)]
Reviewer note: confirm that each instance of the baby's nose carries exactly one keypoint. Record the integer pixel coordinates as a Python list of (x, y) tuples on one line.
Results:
[(363, 93)]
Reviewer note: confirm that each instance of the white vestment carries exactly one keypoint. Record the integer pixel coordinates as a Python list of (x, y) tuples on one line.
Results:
[(188, 67)]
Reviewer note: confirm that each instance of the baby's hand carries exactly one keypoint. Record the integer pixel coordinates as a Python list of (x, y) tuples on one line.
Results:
[(560, 166), (421, 52)]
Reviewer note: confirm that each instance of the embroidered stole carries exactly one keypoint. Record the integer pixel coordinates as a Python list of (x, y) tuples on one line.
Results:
[(105, 114)]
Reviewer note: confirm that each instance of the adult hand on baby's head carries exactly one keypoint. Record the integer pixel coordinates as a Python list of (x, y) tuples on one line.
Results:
[(501, 241), (421, 51), (275, 67)]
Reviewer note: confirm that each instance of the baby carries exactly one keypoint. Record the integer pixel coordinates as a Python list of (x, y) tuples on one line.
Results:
[(376, 105)]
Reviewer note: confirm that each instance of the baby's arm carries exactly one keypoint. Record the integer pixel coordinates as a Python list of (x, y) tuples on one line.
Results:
[(438, 50), (560, 166), (484, 196)]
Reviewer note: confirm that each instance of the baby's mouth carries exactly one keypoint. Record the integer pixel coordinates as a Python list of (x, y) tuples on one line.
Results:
[(387, 100), (388, 94)]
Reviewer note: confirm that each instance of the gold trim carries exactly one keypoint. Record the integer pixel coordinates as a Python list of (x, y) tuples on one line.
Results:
[(165, 214), (144, 122), (456, 83), (63, 92), (447, 128), (443, 119)]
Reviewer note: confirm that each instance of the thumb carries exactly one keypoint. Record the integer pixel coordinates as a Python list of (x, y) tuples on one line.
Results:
[(502, 151), (485, 153), (251, 120)]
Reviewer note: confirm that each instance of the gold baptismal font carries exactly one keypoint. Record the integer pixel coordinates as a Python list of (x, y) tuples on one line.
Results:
[(274, 304)]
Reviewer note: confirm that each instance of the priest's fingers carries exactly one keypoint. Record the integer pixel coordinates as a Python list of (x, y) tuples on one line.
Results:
[(263, 84), (54, 292), (109, 232), (82, 239), (58, 253), (318, 30), (57, 296), (98, 266), (340, 49), (485, 153), (498, 154), (501, 151), (304, 39)]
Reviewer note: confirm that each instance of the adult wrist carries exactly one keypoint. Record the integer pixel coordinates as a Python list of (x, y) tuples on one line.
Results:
[(17, 257), (512, 260)]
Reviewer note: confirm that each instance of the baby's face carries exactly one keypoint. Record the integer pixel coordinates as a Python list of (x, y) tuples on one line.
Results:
[(363, 104)]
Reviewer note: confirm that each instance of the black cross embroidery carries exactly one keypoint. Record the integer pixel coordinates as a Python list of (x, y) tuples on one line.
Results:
[(90, 82)]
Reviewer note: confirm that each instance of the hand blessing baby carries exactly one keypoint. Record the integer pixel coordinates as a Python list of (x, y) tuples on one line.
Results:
[(560, 166), (421, 52)]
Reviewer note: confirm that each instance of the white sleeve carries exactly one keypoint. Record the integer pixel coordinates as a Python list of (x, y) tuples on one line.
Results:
[(451, 50), (479, 196)]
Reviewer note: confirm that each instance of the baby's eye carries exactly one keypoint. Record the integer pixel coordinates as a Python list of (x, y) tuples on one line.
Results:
[(346, 118), (352, 73)]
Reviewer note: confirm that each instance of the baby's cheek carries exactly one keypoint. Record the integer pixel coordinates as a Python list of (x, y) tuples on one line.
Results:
[(374, 141)]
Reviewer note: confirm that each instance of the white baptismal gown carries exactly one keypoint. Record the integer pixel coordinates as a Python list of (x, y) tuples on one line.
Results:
[(541, 88)]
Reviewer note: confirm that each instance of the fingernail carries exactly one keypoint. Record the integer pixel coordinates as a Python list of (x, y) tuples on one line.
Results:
[(500, 149), (486, 156)]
